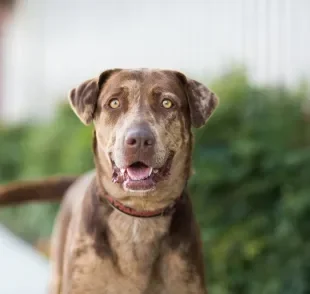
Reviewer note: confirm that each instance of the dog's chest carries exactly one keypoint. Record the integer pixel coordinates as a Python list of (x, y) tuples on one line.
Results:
[(158, 275), (129, 263), (111, 276)]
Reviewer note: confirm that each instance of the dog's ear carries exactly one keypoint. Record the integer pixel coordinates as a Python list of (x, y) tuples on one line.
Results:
[(83, 99), (202, 101)]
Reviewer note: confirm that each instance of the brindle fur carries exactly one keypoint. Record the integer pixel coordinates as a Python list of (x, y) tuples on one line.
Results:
[(97, 249)]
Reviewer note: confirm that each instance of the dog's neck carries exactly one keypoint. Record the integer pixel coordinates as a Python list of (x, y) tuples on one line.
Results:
[(141, 213), (99, 215)]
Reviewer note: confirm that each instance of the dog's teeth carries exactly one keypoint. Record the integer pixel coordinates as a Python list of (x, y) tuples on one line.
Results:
[(155, 171), (123, 170), (150, 172)]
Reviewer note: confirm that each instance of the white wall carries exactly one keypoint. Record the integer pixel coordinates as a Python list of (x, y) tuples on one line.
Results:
[(55, 44), (22, 270)]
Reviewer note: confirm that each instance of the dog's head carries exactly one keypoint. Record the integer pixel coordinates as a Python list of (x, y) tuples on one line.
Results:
[(143, 122)]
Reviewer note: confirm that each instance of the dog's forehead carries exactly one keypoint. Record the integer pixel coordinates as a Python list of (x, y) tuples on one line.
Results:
[(145, 78)]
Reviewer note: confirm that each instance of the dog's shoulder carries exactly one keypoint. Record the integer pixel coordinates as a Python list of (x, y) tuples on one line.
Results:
[(183, 257)]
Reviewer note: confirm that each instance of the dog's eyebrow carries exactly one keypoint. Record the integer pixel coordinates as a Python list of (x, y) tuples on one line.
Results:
[(168, 95), (120, 91), (164, 93)]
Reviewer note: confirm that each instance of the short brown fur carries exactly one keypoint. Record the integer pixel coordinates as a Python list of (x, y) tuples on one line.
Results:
[(98, 249)]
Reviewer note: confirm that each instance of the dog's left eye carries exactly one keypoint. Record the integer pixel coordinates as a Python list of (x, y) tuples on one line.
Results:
[(166, 103), (114, 103)]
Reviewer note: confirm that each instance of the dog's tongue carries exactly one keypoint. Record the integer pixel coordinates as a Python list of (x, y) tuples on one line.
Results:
[(138, 172)]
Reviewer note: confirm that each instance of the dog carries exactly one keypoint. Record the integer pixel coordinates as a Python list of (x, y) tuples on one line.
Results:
[(128, 225)]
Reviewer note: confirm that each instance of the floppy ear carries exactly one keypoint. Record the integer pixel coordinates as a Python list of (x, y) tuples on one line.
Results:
[(83, 99), (202, 101)]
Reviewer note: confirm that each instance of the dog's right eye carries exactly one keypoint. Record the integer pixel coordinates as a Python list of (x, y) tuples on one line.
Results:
[(167, 103), (114, 103)]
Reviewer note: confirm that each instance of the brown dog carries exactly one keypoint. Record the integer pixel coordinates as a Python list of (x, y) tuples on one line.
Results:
[(128, 226)]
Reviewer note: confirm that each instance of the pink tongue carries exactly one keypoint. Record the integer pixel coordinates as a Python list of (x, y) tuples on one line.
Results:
[(138, 173)]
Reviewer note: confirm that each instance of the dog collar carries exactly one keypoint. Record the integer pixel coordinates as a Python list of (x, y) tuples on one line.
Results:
[(145, 213)]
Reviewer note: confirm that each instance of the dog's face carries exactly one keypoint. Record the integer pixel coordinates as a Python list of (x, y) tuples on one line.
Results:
[(143, 122)]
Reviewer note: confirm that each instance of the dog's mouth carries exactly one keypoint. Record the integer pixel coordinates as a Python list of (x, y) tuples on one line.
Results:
[(141, 177)]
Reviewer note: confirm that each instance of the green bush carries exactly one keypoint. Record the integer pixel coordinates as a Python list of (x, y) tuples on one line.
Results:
[(250, 191)]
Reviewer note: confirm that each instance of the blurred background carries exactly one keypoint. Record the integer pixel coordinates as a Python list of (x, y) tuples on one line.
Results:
[(251, 190)]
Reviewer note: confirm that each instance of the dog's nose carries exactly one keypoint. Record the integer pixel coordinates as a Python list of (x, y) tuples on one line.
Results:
[(139, 138)]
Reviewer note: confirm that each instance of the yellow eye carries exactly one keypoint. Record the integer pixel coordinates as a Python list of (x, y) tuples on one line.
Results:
[(166, 103), (114, 103)]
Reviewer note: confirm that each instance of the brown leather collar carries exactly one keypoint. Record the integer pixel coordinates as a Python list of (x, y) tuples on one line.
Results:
[(145, 213)]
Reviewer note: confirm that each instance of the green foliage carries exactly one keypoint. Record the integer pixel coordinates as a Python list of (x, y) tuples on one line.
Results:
[(250, 191), (11, 142), (31, 152)]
